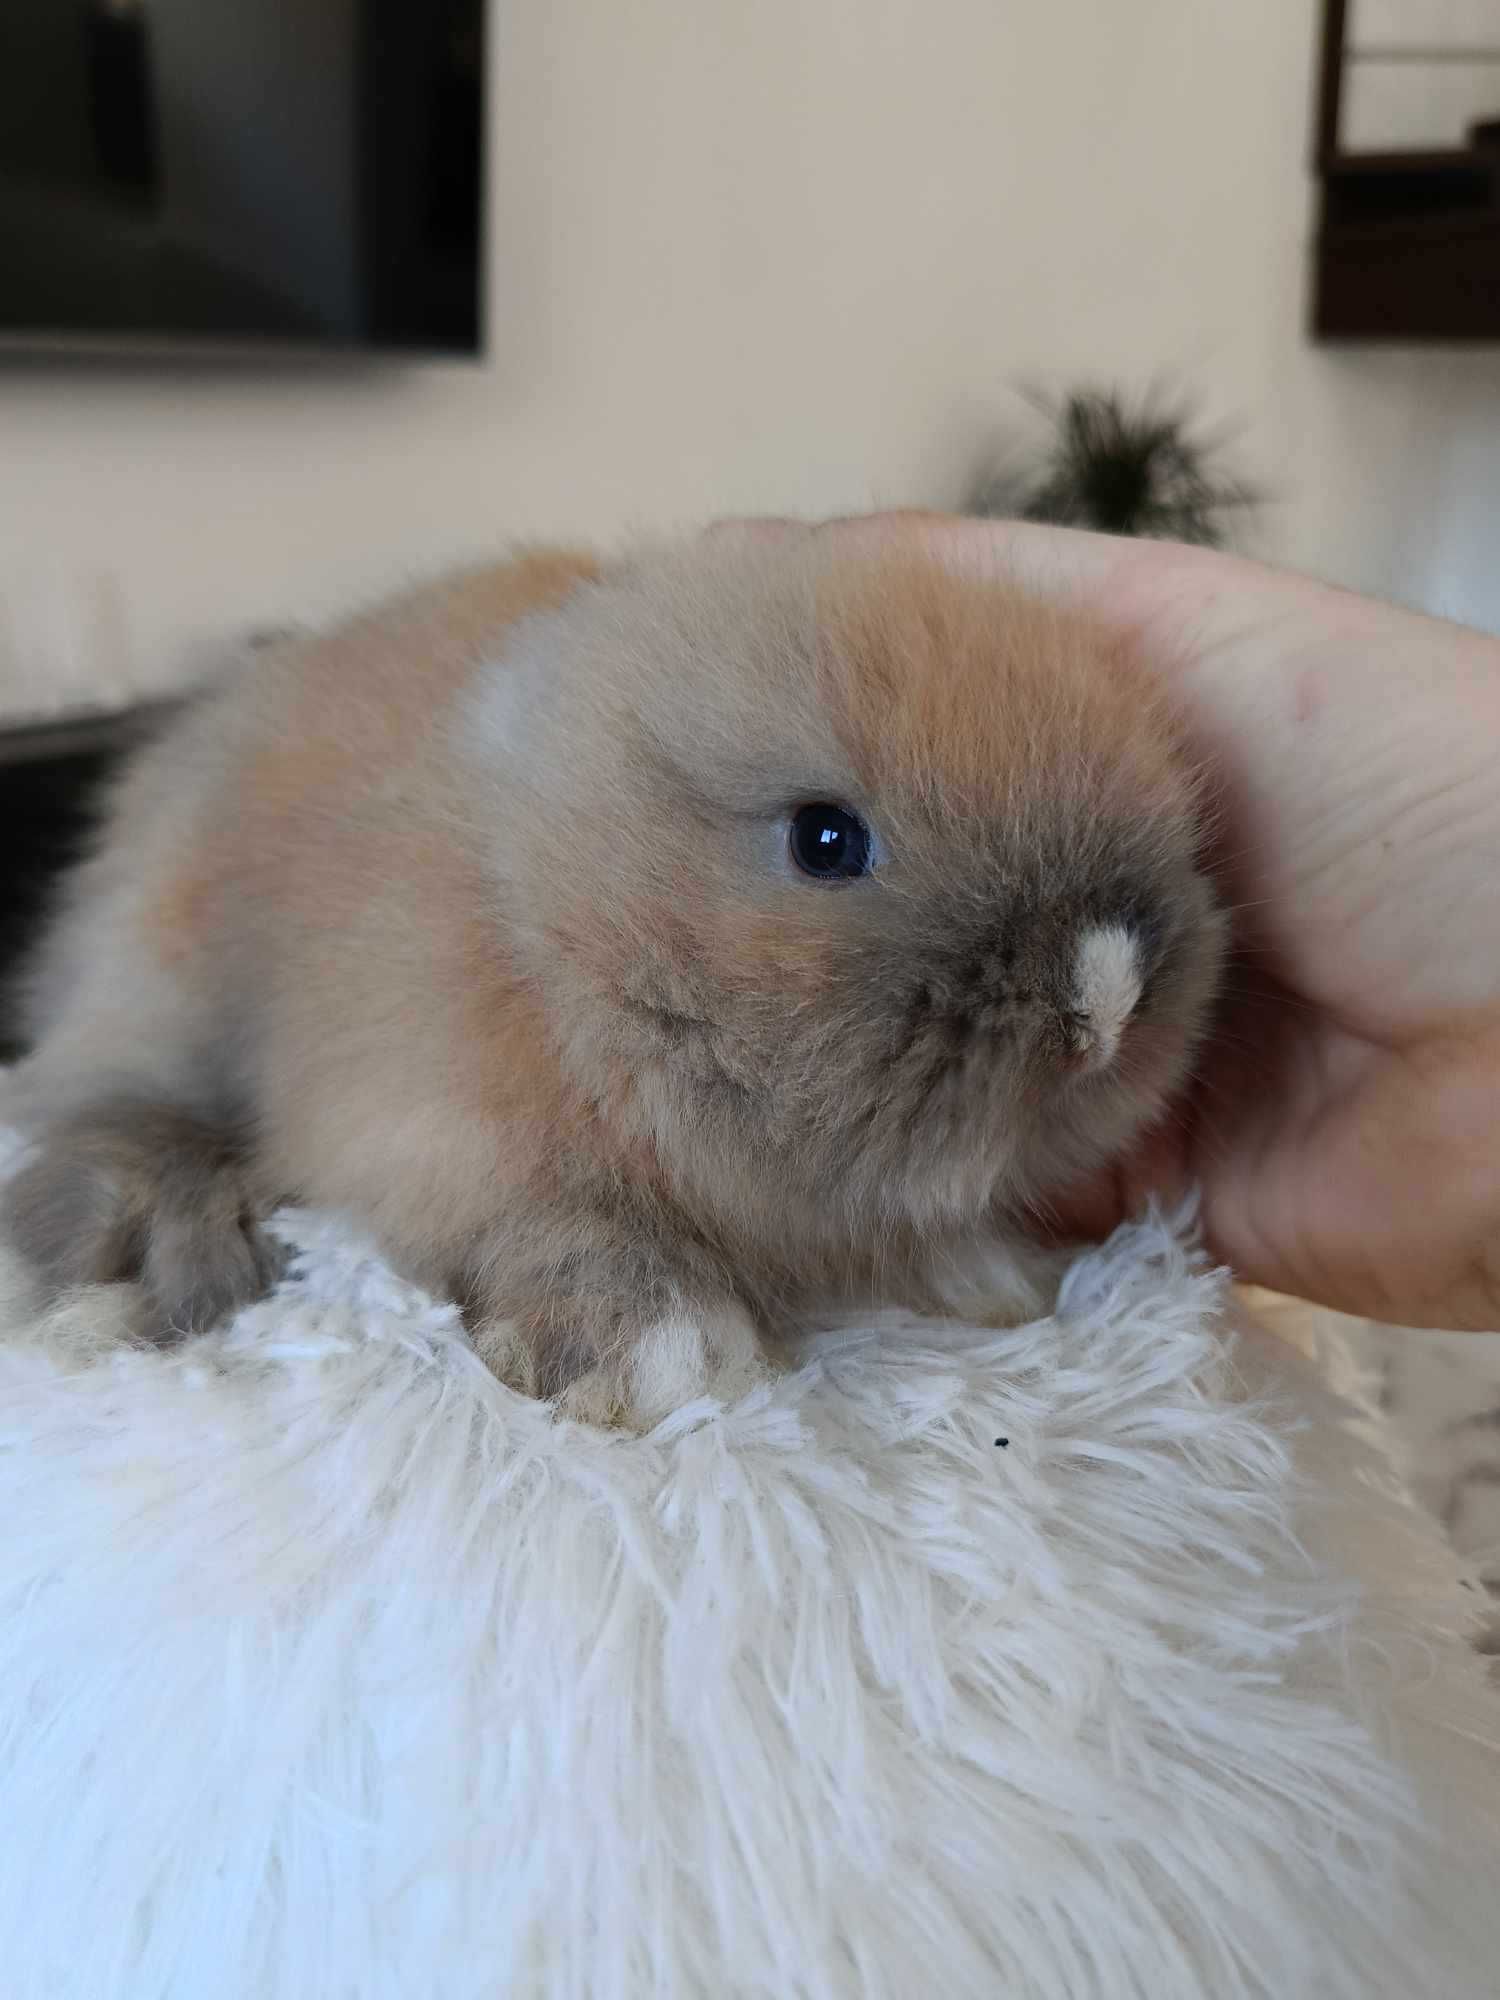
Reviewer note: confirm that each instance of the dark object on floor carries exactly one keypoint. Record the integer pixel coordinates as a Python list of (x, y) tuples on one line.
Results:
[(1122, 468), (50, 775)]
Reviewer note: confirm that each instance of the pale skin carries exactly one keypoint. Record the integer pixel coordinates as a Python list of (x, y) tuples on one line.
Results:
[(1345, 1128)]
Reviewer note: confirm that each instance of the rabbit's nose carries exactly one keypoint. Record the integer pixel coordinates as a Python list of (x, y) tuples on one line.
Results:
[(1107, 980)]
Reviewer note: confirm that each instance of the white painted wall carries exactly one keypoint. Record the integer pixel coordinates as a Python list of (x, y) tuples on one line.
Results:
[(785, 256)]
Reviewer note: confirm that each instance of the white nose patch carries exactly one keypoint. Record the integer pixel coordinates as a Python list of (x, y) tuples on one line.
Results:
[(1106, 990)]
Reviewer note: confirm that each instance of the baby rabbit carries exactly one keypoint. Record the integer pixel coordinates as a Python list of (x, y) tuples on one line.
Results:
[(647, 952)]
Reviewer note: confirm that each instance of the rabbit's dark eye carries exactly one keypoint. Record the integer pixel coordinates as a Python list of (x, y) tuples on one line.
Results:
[(830, 843)]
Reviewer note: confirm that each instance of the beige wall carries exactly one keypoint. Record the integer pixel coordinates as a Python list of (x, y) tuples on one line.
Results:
[(784, 256)]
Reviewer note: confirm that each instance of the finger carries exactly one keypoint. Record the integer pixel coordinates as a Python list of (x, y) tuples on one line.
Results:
[(1065, 564), (753, 528), (1156, 1168)]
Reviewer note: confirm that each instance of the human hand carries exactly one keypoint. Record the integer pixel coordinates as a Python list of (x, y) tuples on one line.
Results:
[(1345, 1124)]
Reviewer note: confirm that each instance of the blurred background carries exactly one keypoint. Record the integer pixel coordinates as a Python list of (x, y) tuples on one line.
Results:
[(302, 299), (798, 256)]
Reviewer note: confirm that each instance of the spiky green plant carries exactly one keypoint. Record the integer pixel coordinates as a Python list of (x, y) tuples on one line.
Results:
[(1126, 469)]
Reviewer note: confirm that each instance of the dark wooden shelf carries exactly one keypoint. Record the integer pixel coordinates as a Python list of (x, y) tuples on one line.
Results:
[(1452, 160), (1435, 279), (1408, 240), (1408, 248)]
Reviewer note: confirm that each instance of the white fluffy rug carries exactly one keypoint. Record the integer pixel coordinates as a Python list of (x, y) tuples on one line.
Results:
[(962, 1663)]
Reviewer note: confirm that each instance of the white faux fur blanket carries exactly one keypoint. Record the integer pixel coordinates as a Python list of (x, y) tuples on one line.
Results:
[(960, 1663)]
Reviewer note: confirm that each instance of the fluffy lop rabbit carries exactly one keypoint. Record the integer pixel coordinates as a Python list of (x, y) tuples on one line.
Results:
[(647, 951)]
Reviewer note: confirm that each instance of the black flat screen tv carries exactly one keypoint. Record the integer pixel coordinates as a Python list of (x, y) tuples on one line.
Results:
[(226, 174)]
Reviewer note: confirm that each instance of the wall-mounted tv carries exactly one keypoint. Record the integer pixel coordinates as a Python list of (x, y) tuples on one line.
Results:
[(222, 173)]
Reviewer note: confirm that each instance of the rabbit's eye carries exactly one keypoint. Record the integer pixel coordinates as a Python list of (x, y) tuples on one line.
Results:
[(830, 843)]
